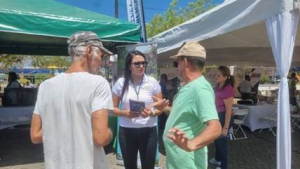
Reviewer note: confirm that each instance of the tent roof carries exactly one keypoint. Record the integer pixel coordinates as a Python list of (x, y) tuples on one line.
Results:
[(234, 33), (39, 27)]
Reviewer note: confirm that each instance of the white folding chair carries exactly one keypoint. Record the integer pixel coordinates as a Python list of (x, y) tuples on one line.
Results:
[(242, 113), (270, 121), (295, 117)]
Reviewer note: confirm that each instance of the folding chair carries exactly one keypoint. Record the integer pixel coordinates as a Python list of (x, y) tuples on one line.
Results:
[(270, 121), (295, 117), (238, 122)]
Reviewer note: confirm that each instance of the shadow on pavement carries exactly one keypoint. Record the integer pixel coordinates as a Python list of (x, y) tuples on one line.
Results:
[(16, 147)]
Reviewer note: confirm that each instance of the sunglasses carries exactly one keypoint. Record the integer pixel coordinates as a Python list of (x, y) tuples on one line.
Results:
[(175, 64), (138, 64)]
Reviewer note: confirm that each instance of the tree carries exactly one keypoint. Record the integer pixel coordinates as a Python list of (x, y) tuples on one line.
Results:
[(175, 15), (47, 61), (264, 79), (8, 62), (39, 78)]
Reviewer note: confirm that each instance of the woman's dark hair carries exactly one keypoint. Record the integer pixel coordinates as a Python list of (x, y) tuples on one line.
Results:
[(13, 76), (226, 72), (127, 71), (247, 77), (163, 77)]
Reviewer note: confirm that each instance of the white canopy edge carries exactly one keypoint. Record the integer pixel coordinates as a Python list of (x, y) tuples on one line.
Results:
[(228, 16)]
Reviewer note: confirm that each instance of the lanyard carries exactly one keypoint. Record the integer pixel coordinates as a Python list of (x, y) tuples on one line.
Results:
[(138, 91)]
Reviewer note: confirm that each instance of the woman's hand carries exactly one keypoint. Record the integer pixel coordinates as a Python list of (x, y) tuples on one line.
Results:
[(147, 112), (224, 131), (130, 114)]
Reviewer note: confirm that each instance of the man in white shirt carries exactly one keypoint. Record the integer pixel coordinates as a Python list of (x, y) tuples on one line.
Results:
[(245, 86), (71, 112)]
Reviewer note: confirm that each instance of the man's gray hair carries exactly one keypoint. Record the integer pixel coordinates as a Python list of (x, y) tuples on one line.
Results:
[(79, 51), (78, 42), (196, 62)]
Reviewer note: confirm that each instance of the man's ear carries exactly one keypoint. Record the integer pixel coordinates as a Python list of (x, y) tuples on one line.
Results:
[(185, 63), (89, 52)]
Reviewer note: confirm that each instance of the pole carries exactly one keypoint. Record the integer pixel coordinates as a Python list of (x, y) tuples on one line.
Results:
[(142, 21), (116, 8)]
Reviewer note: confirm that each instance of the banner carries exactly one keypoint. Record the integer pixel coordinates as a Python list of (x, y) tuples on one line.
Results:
[(133, 11), (135, 14)]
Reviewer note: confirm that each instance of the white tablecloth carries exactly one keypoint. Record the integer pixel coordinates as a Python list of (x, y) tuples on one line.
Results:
[(12, 116), (256, 112)]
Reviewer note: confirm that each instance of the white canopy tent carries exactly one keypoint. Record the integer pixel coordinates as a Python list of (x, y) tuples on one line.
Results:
[(233, 31), (246, 32)]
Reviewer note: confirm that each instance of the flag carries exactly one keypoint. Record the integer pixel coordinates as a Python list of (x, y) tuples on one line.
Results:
[(133, 11)]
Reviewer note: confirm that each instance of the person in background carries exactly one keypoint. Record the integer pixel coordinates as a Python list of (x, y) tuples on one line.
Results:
[(293, 89), (248, 91), (71, 113), (224, 94), (163, 84), (13, 81), (193, 121), (245, 87), (175, 83), (137, 131), (162, 118), (10, 97), (29, 85)]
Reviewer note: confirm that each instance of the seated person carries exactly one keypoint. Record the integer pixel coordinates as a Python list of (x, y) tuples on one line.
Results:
[(13, 81), (29, 85), (12, 84), (245, 88)]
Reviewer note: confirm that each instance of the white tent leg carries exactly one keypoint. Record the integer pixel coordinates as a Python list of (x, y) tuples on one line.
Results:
[(282, 33)]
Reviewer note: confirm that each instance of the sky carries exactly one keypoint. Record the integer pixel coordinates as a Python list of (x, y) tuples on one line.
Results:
[(106, 7)]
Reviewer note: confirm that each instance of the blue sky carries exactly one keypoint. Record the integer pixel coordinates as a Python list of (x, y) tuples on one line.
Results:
[(151, 7)]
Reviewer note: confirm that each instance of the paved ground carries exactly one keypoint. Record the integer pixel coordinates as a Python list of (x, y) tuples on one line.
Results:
[(256, 152)]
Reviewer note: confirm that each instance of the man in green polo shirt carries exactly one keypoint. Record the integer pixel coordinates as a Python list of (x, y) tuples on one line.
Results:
[(193, 122)]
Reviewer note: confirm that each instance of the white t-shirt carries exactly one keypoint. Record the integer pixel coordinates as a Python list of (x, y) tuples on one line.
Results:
[(148, 88), (66, 103), (245, 86)]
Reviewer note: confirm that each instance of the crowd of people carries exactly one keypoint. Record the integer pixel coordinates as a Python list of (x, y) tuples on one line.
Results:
[(72, 108)]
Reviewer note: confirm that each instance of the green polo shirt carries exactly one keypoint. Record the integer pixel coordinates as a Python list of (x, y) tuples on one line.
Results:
[(193, 106)]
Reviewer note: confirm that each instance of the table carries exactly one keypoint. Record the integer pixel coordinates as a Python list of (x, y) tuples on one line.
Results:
[(256, 112), (12, 116)]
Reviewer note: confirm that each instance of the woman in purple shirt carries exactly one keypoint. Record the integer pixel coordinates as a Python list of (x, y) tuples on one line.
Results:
[(224, 93)]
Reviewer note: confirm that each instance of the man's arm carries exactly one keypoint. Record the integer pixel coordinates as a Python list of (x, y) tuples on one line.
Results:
[(102, 135), (209, 134), (239, 87), (36, 132)]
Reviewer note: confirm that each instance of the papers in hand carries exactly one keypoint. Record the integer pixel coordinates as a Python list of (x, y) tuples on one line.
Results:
[(136, 106)]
